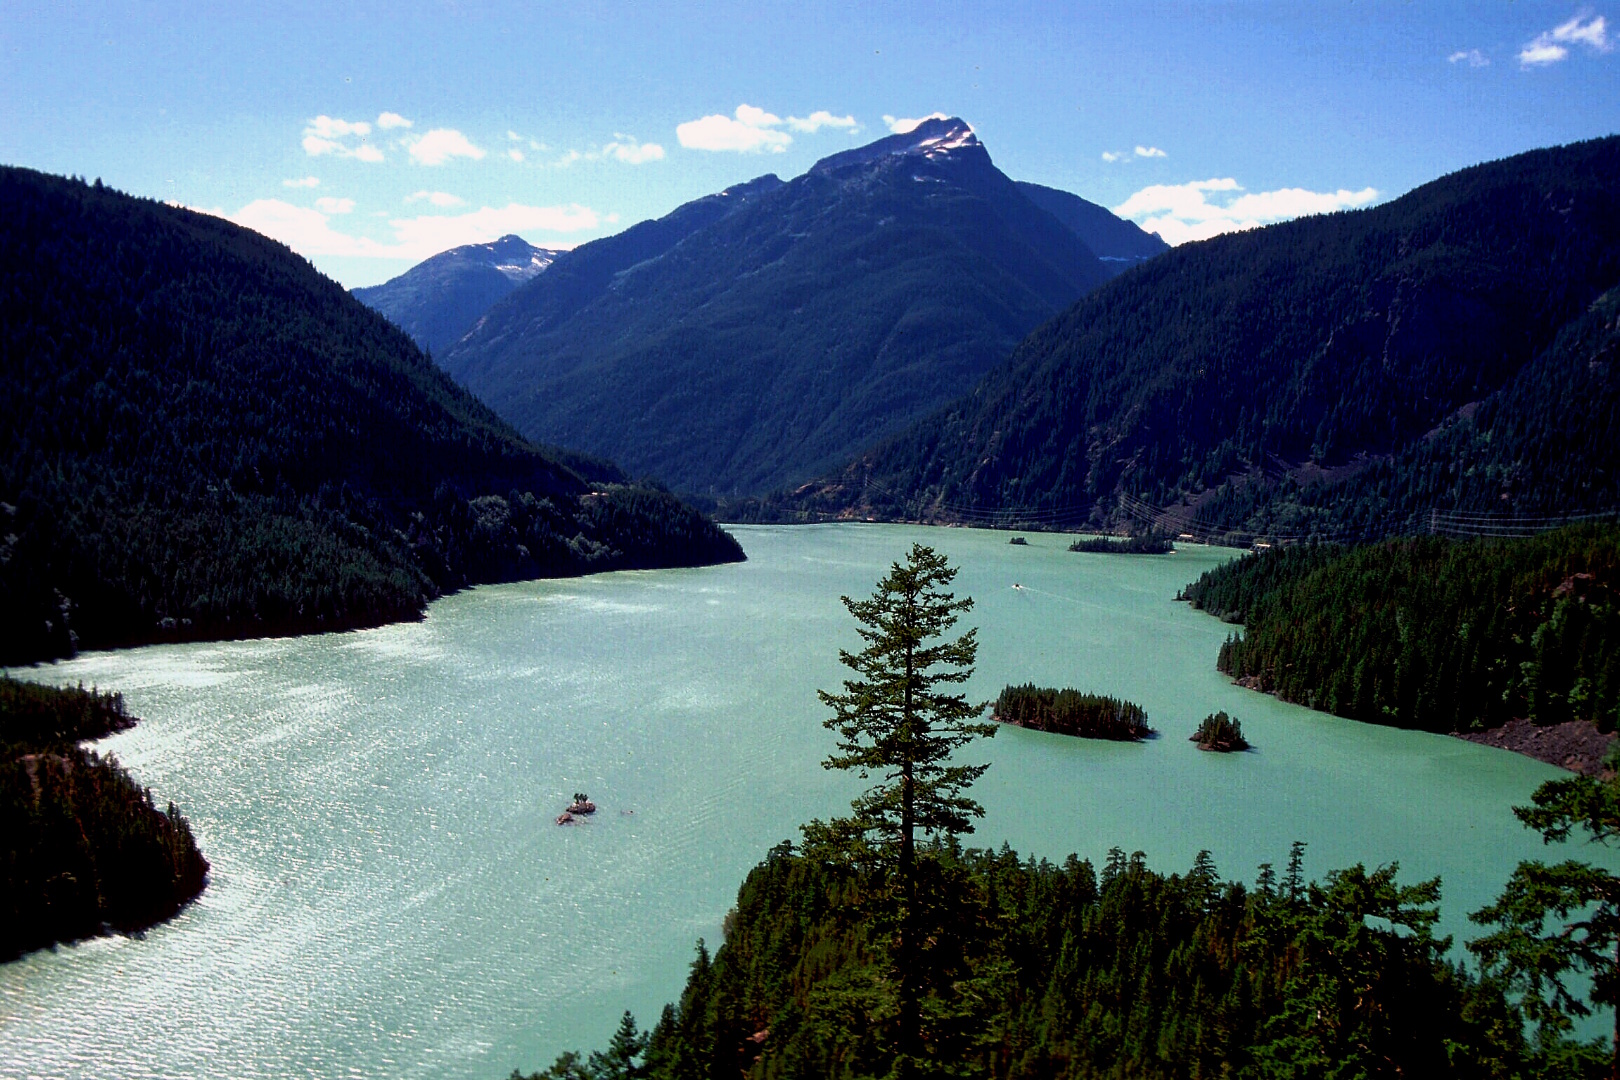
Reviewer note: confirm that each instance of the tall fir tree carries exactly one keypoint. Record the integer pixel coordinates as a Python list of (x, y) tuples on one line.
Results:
[(901, 718)]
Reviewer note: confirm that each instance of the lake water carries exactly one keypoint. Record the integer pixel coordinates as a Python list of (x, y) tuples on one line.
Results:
[(390, 897)]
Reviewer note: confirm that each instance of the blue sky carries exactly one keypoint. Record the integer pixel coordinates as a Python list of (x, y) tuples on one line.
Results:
[(368, 136)]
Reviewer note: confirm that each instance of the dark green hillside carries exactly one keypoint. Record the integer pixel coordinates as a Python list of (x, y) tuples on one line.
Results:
[(776, 339), (82, 847), (200, 436), (1540, 449), (1257, 371), (1432, 633), (582, 275), (1034, 970)]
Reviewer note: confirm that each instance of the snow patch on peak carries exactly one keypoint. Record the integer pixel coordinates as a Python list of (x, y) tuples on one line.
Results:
[(933, 137)]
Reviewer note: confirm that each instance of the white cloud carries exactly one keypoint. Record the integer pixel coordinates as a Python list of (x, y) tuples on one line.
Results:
[(515, 154), (326, 204), (330, 135), (390, 120), (440, 145), (1594, 33), (327, 127), (757, 117), (431, 234), (752, 131), (1551, 46), (513, 136), (1473, 57), (437, 198), (626, 149), (306, 182), (1141, 151), (310, 233), (900, 125), (623, 148), (819, 119), (1540, 52), (1183, 212)]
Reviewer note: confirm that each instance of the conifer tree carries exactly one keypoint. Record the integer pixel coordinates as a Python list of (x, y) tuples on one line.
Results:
[(1553, 922), (901, 719)]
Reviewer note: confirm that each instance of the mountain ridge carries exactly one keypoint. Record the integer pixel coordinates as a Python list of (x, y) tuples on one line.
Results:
[(439, 299), (764, 338), (1314, 347)]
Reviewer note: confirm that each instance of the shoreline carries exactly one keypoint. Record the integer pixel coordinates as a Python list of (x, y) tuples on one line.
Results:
[(1576, 745)]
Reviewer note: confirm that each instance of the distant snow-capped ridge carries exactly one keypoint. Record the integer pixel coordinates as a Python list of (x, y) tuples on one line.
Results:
[(511, 255)]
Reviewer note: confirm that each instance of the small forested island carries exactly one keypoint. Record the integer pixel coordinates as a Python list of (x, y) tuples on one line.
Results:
[(1220, 733), (1070, 712), (86, 850), (1018, 541), (1145, 544), (1431, 633)]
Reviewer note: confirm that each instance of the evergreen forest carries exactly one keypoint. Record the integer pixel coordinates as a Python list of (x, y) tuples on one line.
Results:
[(1044, 970), (202, 437), (1344, 376), (1428, 632), (85, 849)]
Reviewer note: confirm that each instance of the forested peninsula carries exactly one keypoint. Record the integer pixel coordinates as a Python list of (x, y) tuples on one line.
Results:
[(85, 849), (1430, 633), (202, 437)]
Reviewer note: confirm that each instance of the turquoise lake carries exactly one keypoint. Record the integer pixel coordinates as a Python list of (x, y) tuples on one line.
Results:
[(390, 896)]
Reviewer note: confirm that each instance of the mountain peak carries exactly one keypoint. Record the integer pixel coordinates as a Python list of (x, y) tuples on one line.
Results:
[(933, 138), (938, 133)]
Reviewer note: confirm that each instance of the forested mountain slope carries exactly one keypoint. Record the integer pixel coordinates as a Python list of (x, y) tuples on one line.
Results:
[(1120, 244), (439, 300), (200, 436), (1444, 350), (791, 325)]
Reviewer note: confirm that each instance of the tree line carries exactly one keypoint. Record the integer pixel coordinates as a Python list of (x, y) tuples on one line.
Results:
[(1431, 633)]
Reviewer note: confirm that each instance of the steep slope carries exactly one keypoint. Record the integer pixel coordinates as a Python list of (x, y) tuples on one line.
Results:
[(1259, 375), (200, 436), (1120, 244), (792, 326), (439, 300)]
